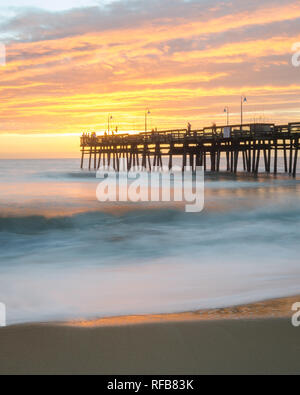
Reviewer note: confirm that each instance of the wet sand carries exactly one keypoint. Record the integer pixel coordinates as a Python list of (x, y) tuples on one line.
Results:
[(257, 338)]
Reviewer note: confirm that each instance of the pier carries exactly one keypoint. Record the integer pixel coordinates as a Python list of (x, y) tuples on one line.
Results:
[(252, 144)]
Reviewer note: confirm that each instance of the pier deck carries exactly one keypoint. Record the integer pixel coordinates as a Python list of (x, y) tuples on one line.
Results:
[(251, 143)]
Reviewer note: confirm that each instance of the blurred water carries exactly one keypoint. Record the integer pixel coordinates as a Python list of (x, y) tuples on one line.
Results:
[(64, 255)]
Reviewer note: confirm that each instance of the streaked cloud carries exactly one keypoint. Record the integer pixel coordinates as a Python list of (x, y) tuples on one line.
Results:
[(185, 60)]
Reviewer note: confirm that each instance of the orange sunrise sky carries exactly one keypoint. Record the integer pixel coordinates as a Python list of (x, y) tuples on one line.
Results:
[(70, 64)]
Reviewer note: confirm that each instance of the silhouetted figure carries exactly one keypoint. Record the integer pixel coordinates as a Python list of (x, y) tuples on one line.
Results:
[(214, 128), (189, 129)]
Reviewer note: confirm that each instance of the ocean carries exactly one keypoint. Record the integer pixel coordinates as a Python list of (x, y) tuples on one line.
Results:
[(66, 256)]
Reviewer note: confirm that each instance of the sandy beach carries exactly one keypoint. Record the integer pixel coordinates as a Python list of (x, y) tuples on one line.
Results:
[(257, 338)]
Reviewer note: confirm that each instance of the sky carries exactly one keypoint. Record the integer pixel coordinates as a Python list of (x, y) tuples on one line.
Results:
[(70, 63)]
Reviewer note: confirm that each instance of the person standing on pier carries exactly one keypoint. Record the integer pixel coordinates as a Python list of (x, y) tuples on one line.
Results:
[(189, 128)]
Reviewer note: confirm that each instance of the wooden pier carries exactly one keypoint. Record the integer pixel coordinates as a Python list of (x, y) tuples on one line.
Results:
[(249, 144)]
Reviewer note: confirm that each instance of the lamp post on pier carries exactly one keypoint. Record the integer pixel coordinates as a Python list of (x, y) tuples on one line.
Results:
[(147, 112), (108, 122), (243, 100), (226, 110)]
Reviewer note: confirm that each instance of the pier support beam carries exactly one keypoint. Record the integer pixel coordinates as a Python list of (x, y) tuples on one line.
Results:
[(82, 159), (285, 156), (276, 156), (99, 160), (296, 157), (90, 159)]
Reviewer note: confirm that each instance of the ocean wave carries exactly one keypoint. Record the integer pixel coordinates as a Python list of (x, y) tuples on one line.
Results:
[(285, 214), (59, 175), (38, 223)]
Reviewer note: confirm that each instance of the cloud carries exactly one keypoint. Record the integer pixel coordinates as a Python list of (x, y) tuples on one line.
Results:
[(181, 58), (200, 16)]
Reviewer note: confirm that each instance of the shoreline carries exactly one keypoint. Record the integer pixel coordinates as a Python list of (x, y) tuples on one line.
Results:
[(249, 339), (270, 308), (264, 309)]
